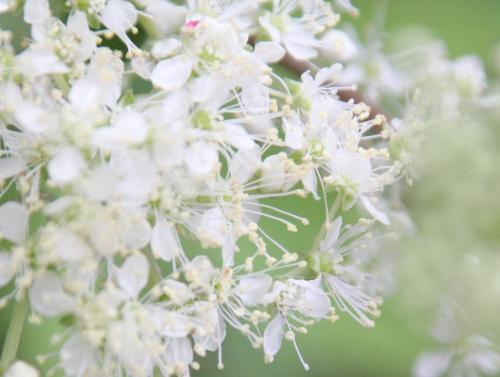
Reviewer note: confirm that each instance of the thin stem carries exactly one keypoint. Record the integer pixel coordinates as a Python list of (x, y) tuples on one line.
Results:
[(13, 337)]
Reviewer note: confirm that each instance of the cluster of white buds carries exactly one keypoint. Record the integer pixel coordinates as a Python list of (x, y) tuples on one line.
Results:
[(135, 215)]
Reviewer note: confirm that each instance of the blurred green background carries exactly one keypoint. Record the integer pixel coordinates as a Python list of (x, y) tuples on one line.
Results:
[(343, 349)]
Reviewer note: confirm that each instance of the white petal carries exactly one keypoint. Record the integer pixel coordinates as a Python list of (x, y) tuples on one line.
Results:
[(376, 213), (48, 297), (164, 244), (66, 165), (69, 246), (313, 301), (100, 183), (310, 183), (332, 235), (165, 48), (103, 234), (273, 335), (238, 136), (84, 94), (253, 288), (78, 26), (31, 117), (273, 32), (244, 164), (11, 166), (135, 231), (228, 250), (204, 88), (269, 52), (338, 45), (143, 66), (129, 129), (36, 11), (216, 326), (299, 50), (325, 75), (167, 17), (178, 293), (175, 106), (201, 158), (119, 16), (180, 351), (212, 228), (133, 275), (172, 324), (202, 267), (293, 134), (133, 126), (77, 355), (171, 74), (7, 270), (34, 63), (14, 221), (273, 173)]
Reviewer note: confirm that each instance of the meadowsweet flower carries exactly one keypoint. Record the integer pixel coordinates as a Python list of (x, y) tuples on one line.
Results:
[(130, 207)]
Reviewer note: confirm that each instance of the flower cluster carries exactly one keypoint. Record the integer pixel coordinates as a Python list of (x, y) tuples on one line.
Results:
[(134, 215)]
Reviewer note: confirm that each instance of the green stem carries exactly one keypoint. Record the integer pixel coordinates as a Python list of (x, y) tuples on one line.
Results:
[(17, 321)]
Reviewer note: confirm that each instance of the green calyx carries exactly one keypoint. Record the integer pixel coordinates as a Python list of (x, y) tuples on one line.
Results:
[(299, 100)]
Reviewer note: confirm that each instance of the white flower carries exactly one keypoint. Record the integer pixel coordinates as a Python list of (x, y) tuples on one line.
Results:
[(297, 35), (102, 83), (21, 369)]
